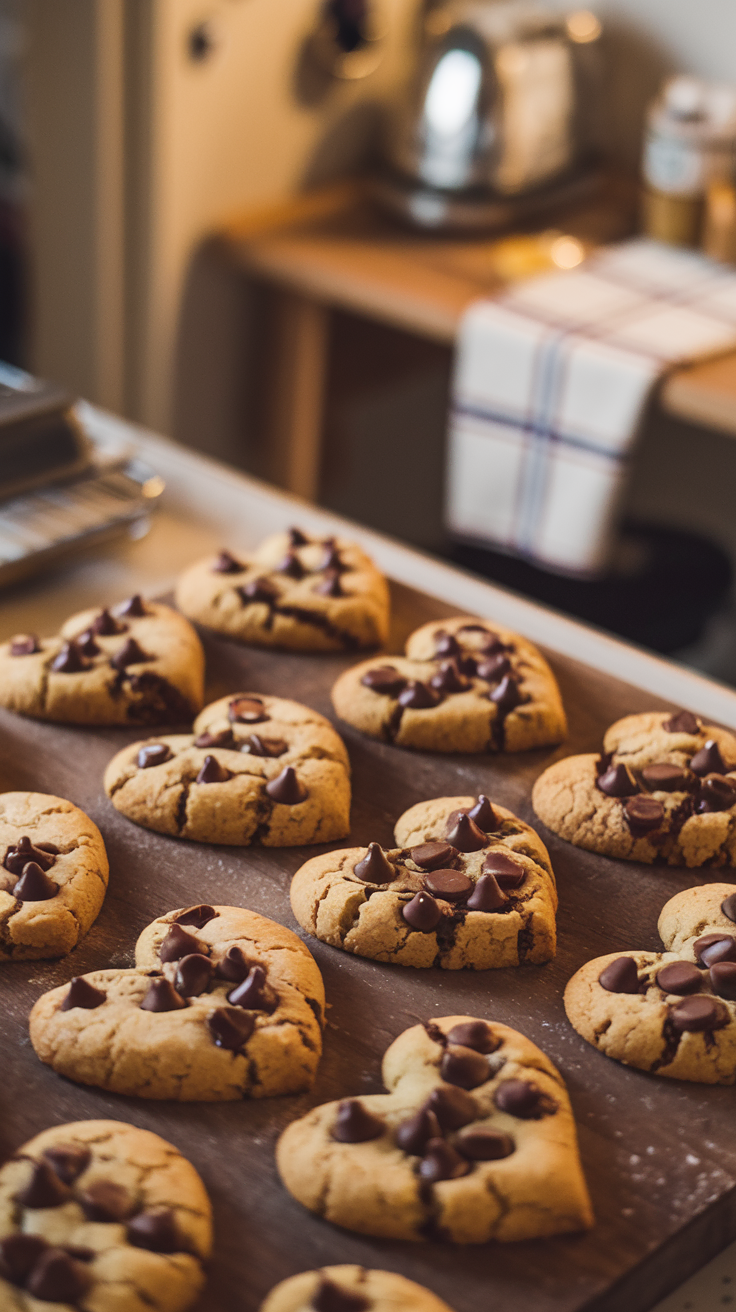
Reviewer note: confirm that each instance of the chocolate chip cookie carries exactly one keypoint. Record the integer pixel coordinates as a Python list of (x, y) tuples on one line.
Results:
[(257, 769), (464, 685), (222, 1004), (295, 591), (470, 887), (475, 1141), (663, 789), (53, 875), (102, 1216), (140, 663), (673, 1012), (351, 1289)]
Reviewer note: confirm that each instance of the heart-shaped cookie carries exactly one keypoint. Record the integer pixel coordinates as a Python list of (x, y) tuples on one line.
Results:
[(475, 1141), (295, 591), (351, 1289), (222, 1004), (671, 1013), (53, 875), (257, 769), (663, 790), (464, 685), (469, 887), (141, 663), (100, 1215)]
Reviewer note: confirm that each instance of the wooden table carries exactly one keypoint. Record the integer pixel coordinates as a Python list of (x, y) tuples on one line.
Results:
[(659, 1156), (333, 249)]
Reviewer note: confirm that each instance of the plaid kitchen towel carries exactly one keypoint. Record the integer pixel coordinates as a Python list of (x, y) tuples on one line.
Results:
[(551, 382)]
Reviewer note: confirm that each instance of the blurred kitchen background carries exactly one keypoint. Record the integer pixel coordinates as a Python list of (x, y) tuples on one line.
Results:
[(197, 233)]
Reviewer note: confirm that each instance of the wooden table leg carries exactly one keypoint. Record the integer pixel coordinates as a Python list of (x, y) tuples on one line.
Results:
[(297, 384)]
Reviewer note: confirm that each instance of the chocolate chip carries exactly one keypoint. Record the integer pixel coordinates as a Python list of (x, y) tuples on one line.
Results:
[(452, 1106), (487, 895), (332, 558), (442, 1162), (35, 885), (463, 1066), (193, 975), (132, 608), (19, 854), (708, 760), (384, 679), (483, 814), (452, 885), (682, 722), (643, 814), (287, 788), (230, 1028), (446, 644), (507, 872), (467, 665), (494, 669), (413, 1135), (375, 867), (178, 944), (464, 834), (82, 994), (475, 1034), (329, 1298), (723, 979), (485, 1145), (233, 966), (679, 977), (620, 976), (198, 916), (227, 564), (130, 653), (258, 746), (24, 644), (712, 948), (291, 566), (418, 696), (225, 738), (728, 907), (430, 856), (717, 793), (57, 1278), (255, 994), (154, 754), (422, 913), (666, 778), (355, 1124), (616, 781), (258, 591), (105, 624), (103, 1200), (524, 1100), (211, 772), (162, 996), (68, 1161), (297, 538), (448, 679), (69, 660), (87, 645), (330, 585), (44, 1189), (506, 695), (156, 1230), (19, 1254), (247, 710), (694, 1015)]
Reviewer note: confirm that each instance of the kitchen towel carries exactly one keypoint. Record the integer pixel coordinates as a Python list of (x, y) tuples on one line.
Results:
[(551, 382)]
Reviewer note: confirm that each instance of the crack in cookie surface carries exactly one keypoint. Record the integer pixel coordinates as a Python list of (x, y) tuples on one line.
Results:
[(463, 685)]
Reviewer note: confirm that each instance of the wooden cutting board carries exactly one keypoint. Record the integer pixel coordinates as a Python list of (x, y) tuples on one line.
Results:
[(659, 1156)]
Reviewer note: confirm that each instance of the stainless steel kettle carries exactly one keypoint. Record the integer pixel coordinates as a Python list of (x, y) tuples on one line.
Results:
[(499, 109)]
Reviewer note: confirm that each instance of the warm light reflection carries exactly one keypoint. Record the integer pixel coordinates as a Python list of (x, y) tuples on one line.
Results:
[(566, 252), (583, 27), (453, 92)]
